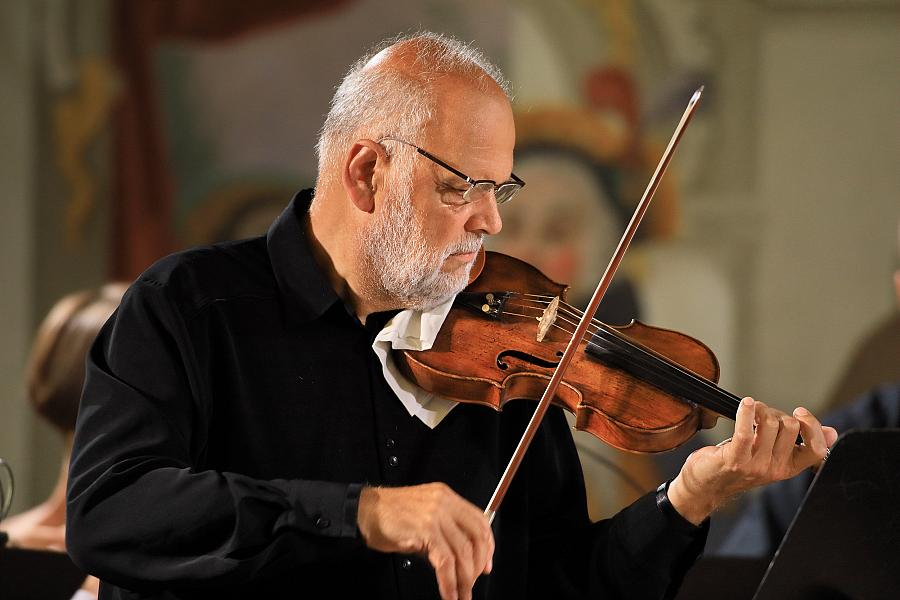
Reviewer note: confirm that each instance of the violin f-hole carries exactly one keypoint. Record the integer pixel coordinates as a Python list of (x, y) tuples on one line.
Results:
[(524, 356)]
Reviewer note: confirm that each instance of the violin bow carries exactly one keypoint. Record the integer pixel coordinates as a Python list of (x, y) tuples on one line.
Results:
[(578, 336)]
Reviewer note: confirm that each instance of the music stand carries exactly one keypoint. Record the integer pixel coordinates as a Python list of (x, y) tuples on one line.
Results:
[(844, 542), (37, 575)]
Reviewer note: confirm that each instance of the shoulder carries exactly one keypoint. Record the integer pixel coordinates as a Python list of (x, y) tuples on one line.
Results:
[(192, 279), (879, 407)]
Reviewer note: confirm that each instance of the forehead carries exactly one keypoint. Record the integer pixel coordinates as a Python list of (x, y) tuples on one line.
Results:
[(472, 130)]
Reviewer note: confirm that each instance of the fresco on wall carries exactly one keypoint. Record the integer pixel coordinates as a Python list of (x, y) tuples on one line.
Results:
[(241, 114), (599, 86)]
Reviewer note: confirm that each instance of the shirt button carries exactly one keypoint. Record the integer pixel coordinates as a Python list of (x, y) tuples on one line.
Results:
[(393, 461), (323, 523), (406, 564), (390, 443)]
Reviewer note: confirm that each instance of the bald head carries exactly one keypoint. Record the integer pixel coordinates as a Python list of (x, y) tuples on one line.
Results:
[(429, 57), (396, 91)]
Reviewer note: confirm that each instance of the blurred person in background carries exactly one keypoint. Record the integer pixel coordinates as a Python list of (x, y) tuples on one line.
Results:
[(54, 378), (867, 396), (876, 358)]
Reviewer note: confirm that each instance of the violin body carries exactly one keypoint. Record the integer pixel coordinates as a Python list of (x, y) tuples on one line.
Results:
[(488, 353)]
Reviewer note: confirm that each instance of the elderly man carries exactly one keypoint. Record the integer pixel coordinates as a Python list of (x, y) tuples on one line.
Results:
[(240, 434)]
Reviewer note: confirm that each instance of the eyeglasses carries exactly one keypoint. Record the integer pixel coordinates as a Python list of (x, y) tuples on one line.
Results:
[(478, 188)]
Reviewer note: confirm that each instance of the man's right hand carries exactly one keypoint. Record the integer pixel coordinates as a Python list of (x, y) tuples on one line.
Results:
[(434, 521)]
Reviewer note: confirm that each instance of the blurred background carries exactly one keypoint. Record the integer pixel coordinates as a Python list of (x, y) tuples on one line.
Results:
[(133, 129)]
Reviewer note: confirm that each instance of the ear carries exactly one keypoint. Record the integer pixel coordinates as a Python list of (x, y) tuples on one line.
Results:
[(361, 175)]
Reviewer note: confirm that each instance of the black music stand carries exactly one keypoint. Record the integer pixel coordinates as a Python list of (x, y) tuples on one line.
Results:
[(844, 542), (37, 575)]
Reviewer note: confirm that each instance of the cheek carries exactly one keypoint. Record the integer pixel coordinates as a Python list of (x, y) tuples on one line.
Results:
[(442, 232)]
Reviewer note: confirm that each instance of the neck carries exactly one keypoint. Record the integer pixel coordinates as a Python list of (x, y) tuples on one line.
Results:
[(53, 509), (335, 250)]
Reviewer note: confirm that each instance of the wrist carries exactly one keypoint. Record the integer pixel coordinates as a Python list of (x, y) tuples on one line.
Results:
[(692, 504), (367, 498)]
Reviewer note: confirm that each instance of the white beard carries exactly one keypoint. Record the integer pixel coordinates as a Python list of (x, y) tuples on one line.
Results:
[(404, 267)]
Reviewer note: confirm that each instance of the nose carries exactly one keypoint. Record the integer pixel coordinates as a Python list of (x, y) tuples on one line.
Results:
[(485, 217)]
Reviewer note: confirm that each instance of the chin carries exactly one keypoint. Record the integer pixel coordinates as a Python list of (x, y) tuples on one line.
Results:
[(440, 292)]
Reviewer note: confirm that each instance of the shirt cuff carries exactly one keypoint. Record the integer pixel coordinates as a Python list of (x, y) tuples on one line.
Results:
[(675, 518), (324, 508), (654, 538)]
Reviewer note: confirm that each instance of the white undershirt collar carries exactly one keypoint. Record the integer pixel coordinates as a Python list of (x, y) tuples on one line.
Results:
[(413, 330)]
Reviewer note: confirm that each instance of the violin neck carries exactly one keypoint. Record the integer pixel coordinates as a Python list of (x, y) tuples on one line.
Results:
[(621, 353)]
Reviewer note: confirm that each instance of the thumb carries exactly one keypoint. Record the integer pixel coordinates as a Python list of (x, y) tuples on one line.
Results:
[(831, 435)]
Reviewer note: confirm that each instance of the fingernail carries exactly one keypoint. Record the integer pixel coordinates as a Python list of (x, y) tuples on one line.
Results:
[(490, 565), (800, 412), (747, 401)]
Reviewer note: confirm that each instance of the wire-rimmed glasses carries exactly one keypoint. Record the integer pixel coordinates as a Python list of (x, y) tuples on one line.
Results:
[(478, 188)]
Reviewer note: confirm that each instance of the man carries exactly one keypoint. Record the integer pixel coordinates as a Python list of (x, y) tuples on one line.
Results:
[(239, 435)]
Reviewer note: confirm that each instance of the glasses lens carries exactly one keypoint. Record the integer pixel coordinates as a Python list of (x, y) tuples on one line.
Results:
[(506, 192), (478, 191), (502, 193)]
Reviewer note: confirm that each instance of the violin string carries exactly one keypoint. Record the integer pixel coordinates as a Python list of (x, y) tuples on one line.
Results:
[(562, 304), (531, 317), (598, 326), (571, 310), (723, 405), (555, 324), (721, 398), (592, 330), (512, 314)]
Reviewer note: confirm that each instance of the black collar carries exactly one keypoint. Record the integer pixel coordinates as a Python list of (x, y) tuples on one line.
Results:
[(305, 290)]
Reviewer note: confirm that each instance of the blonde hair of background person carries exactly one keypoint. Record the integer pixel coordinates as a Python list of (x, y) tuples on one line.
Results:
[(54, 378)]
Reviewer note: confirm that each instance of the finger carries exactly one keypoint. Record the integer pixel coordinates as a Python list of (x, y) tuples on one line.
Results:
[(831, 435), (741, 445), (461, 547), (490, 552), (441, 558), (465, 572), (480, 548), (783, 448), (477, 527), (768, 424), (813, 450)]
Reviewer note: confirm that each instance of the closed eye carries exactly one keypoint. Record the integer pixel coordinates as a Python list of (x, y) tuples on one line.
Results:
[(449, 188)]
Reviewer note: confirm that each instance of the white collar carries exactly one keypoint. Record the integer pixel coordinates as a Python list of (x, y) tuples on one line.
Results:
[(413, 330)]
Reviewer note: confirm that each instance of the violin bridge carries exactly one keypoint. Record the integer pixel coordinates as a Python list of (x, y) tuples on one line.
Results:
[(547, 319)]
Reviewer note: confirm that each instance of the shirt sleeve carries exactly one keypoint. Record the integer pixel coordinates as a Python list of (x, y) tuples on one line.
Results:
[(140, 513), (640, 553)]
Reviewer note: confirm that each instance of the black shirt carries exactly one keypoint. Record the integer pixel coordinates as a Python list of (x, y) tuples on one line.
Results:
[(233, 409)]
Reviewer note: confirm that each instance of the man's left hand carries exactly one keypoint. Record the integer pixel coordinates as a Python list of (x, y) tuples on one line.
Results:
[(762, 450)]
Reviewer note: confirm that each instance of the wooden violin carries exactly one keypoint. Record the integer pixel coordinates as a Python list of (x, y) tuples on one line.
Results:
[(636, 387)]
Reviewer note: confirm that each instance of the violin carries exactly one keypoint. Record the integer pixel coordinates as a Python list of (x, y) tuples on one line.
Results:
[(635, 387)]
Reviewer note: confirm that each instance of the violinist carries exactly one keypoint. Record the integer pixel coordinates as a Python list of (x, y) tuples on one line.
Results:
[(242, 435)]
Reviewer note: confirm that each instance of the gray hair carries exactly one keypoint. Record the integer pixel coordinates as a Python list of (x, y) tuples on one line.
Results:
[(376, 103)]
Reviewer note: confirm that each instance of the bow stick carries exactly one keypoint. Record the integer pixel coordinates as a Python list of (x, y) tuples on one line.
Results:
[(578, 336)]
